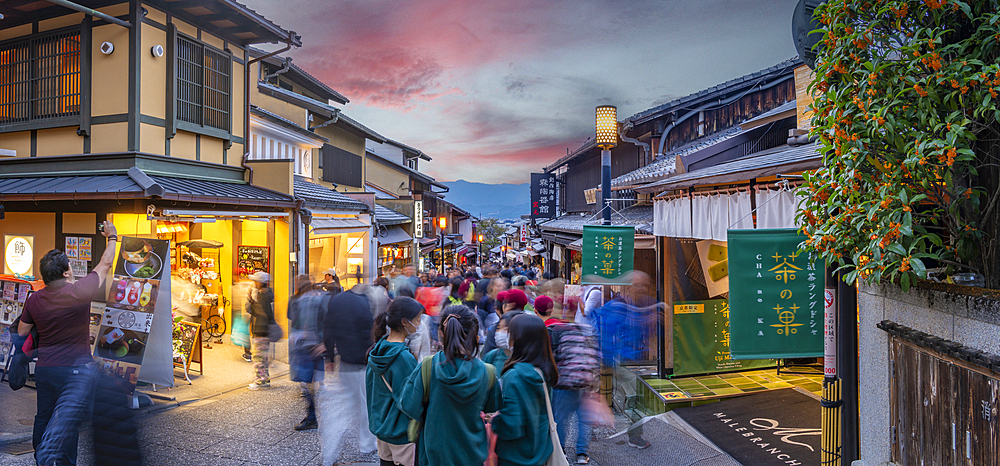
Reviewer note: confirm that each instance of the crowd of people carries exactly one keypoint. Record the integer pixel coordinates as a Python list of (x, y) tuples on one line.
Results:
[(484, 365), (466, 367)]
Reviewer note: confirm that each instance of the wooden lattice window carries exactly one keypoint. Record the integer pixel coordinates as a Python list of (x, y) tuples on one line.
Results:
[(40, 78), (203, 84)]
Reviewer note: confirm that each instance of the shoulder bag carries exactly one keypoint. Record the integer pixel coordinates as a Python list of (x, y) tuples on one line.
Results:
[(558, 457)]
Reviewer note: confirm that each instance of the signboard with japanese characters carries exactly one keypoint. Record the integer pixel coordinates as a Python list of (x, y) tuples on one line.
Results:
[(702, 339), (543, 195), (775, 296), (418, 219), (608, 254)]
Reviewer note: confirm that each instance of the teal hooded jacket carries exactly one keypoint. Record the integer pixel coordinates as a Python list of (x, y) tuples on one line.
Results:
[(452, 432), (522, 425), (394, 362)]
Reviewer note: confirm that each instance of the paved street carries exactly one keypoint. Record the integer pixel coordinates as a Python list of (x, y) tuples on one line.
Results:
[(242, 427)]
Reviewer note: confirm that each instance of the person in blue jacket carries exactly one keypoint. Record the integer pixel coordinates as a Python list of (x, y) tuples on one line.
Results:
[(522, 424), (460, 387), (389, 363)]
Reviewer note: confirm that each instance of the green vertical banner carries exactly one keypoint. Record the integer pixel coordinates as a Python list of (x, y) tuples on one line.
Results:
[(702, 339), (608, 254), (775, 294)]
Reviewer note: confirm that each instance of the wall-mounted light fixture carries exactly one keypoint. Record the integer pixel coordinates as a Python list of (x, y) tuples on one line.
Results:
[(107, 48), (157, 51)]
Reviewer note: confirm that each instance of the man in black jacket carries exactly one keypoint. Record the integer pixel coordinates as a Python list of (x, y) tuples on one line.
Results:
[(347, 330)]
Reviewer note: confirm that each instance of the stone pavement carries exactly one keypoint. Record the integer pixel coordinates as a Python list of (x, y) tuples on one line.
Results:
[(217, 421)]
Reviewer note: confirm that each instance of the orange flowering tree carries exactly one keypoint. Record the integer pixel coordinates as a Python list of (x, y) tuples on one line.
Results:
[(906, 113)]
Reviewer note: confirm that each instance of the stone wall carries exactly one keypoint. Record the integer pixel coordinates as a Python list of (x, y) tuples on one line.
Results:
[(961, 315)]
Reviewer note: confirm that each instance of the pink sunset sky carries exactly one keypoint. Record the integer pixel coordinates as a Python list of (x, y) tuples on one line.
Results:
[(494, 90)]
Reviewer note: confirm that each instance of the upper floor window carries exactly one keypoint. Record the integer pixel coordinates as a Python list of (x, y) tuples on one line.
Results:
[(203, 84), (40, 78)]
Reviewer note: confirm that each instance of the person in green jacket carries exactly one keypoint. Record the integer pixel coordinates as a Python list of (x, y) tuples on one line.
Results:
[(498, 356), (522, 424), (460, 387), (389, 363)]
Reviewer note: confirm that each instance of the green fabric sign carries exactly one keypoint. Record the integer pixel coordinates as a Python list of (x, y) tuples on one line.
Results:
[(608, 254), (775, 294), (702, 339)]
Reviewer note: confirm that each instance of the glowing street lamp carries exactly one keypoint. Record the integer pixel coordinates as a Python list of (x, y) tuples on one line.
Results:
[(606, 124)]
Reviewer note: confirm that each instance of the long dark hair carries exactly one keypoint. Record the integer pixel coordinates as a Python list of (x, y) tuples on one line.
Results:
[(531, 345), (401, 308), (460, 330)]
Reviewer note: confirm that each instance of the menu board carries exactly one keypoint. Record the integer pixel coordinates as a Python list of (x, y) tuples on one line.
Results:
[(13, 295), (252, 259), (132, 302)]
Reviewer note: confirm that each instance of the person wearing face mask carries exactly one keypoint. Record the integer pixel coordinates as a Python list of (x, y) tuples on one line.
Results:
[(389, 364), (498, 356)]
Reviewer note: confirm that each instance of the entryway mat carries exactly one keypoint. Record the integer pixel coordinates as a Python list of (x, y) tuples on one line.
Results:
[(770, 428)]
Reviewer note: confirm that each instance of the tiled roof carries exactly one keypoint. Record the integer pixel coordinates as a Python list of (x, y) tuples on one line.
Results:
[(666, 164), (783, 159), (704, 94), (785, 107), (387, 216), (639, 216), (331, 94), (323, 197)]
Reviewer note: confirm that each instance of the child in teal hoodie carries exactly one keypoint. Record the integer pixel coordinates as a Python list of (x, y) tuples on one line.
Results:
[(460, 387), (389, 363), (522, 424)]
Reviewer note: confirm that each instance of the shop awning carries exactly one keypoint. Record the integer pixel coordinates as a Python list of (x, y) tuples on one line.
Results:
[(320, 197), (495, 250), (576, 245), (387, 216), (394, 234), (462, 249), (138, 185), (333, 226)]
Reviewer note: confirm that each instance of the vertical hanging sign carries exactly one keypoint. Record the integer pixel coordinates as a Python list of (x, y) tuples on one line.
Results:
[(775, 296), (543, 195), (608, 254), (830, 330), (418, 219)]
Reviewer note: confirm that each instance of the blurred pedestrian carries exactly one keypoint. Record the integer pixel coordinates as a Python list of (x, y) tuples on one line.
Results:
[(389, 364), (331, 282), (543, 307), (579, 366), (306, 351), (498, 356), (459, 388), (347, 332), (65, 373), (522, 423), (260, 306)]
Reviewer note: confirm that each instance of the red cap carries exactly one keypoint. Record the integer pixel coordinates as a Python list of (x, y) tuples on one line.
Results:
[(517, 297), (543, 304), (501, 296)]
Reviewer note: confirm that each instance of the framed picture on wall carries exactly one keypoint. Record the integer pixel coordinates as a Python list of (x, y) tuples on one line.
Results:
[(251, 259)]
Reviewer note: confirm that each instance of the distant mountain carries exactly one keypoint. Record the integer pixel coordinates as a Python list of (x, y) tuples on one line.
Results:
[(504, 201)]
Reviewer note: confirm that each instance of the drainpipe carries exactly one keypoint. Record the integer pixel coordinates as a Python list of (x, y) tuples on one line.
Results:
[(91, 12), (285, 66), (246, 105), (336, 117), (697, 111)]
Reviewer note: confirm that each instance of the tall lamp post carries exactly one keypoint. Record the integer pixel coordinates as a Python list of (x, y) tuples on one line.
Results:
[(442, 224), (479, 250), (606, 138)]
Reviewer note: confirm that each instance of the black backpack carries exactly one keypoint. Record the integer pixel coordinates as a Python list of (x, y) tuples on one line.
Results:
[(17, 369)]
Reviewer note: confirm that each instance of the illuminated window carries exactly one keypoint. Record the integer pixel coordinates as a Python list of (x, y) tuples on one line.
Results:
[(203, 84), (40, 78)]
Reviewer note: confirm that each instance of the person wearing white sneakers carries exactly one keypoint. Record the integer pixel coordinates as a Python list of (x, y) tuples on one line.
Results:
[(261, 310)]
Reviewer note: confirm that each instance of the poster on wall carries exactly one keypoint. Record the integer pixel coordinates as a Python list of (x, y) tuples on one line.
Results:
[(608, 254), (85, 250), (543, 195), (133, 339), (702, 339), (252, 259), (18, 257), (776, 295)]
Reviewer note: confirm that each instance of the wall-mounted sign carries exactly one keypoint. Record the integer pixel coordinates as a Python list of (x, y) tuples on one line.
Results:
[(776, 294), (418, 219), (253, 259), (543, 195), (702, 338), (608, 254), (18, 257)]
